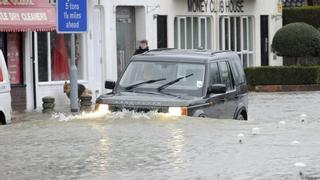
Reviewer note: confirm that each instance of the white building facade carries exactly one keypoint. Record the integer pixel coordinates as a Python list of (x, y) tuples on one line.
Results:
[(116, 26), (245, 26)]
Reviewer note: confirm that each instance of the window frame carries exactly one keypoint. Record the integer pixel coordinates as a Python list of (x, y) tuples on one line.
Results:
[(83, 61), (248, 43), (196, 23)]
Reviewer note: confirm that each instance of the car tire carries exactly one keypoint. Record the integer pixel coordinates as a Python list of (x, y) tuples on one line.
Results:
[(2, 119)]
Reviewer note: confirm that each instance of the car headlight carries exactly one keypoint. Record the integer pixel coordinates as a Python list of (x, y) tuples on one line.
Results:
[(102, 108), (178, 111)]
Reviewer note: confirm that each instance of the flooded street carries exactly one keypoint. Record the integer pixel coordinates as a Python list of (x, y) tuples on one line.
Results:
[(126, 146)]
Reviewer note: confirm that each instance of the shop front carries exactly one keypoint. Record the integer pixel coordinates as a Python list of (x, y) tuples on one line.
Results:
[(18, 19)]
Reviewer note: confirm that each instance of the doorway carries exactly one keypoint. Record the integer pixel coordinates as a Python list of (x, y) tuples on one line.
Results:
[(126, 36), (162, 31), (264, 29)]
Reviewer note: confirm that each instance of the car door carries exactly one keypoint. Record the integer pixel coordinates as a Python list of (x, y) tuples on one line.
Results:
[(216, 102), (231, 101), (5, 97)]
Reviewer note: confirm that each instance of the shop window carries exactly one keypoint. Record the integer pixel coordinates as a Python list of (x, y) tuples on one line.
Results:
[(232, 33), (189, 33), (54, 53), (193, 32), (14, 58), (195, 36), (236, 34)]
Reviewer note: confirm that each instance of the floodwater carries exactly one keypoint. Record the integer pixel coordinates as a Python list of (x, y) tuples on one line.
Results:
[(153, 146)]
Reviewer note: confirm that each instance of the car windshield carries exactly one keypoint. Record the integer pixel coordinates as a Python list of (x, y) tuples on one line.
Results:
[(139, 71)]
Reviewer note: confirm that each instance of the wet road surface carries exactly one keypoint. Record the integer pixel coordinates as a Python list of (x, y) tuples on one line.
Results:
[(139, 146)]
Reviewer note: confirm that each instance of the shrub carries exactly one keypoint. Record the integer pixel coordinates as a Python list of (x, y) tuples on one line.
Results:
[(297, 40), (307, 14), (283, 75)]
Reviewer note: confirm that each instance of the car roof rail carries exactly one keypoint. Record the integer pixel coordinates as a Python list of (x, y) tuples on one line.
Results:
[(160, 49), (217, 52)]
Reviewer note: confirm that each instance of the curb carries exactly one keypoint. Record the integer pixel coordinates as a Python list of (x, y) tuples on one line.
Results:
[(283, 88)]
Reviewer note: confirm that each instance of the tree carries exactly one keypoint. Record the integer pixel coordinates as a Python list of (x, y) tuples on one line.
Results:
[(297, 40)]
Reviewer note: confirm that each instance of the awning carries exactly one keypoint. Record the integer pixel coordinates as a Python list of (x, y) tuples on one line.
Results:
[(27, 19)]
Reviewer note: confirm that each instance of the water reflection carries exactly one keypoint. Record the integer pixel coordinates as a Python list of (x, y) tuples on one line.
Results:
[(101, 151), (176, 144)]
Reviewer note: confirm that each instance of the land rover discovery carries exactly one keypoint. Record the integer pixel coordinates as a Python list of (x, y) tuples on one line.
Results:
[(198, 83)]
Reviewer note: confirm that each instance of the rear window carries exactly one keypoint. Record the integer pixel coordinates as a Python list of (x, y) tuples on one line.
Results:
[(1, 75)]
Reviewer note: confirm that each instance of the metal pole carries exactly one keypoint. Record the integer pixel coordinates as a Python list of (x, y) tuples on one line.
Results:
[(73, 77)]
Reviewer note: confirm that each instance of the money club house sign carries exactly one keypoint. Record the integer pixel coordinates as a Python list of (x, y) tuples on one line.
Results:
[(216, 6)]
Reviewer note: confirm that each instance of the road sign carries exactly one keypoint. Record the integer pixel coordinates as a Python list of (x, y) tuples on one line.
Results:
[(72, 16)]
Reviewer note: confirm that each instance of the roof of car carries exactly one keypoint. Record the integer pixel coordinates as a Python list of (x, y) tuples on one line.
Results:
[(182, 55)]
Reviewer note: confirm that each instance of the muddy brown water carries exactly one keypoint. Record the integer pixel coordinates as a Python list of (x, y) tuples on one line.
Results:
[(151, 146)]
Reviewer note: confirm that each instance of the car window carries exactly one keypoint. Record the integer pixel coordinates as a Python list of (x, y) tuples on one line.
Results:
[(139, 71), (238, 72), (1, 75), (214, 74), (225, 74), (235, 73)]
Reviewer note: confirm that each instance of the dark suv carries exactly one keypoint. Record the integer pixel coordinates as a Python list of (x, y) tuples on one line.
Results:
[(198, 83)]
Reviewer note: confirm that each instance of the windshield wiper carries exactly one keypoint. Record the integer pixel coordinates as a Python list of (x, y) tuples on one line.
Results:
[(173, 82), (144, 82)]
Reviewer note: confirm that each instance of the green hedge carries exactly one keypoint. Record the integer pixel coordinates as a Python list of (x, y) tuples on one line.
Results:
[(283, 75), (297, 40), (307, 14)]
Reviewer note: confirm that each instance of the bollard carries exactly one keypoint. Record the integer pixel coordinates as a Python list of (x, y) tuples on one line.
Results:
[(48, 104), (85, 103)]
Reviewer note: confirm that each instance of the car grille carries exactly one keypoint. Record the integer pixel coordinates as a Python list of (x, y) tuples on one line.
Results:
[(158, 109)]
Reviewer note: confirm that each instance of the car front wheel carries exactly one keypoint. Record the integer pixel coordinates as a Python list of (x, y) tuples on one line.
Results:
[(240, 117)]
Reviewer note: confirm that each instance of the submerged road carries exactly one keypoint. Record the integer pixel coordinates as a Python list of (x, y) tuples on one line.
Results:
[(150, 146)]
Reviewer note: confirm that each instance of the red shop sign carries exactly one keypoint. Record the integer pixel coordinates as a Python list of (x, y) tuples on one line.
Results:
[(27, 15)]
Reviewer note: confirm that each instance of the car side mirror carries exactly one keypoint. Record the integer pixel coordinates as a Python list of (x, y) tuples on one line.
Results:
[(110, 84), (217, 89)]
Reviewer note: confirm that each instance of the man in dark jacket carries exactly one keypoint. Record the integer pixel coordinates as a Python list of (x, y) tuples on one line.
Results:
[(142, 48)]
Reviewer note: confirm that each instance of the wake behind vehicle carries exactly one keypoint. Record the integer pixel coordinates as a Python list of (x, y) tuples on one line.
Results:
[(198, 83), (5, 96)]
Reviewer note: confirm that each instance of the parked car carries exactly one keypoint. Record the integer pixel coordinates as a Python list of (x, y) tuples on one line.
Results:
[(198, 83), (5, 96)]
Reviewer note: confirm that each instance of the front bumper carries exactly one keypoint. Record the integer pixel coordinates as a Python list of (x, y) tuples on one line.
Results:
[(174, 111)]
